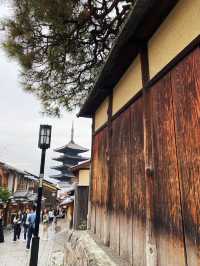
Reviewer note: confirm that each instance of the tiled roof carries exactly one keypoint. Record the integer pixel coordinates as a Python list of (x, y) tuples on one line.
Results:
[(71, 146)]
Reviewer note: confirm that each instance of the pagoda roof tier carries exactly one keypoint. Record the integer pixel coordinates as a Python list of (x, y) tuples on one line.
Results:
[(70, 158), (63, 176), (71, 146), (62, 167)]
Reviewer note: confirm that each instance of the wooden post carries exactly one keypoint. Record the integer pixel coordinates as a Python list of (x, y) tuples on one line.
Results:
[(91, 182), (151, 250), (80, 207), (109, 148)]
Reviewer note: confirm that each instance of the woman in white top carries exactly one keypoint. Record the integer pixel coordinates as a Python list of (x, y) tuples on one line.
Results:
[(25, 223), (45, 222)]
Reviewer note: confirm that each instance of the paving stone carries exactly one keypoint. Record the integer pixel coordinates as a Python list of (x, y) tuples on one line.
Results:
[(51, 250)]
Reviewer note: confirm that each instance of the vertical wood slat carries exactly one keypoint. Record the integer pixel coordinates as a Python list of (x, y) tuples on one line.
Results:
[(121, 224), (104, 186), (115, 190), (150, 248), (124, 181), (90, 221), (80, 207), (113, 206), (138, 192), (109, 171), (166, 190), (100, 175), (94, 185), (186, 98)]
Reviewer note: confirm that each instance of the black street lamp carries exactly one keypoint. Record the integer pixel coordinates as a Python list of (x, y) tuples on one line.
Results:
[(43, 143)]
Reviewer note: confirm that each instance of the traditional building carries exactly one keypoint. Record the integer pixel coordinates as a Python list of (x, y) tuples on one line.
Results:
[(145, 106), (70, 157), (23, 188), (82, 173), (50, 193), (67, 179)]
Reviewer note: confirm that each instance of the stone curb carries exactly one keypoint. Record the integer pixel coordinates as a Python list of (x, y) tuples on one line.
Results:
[(82, 250)]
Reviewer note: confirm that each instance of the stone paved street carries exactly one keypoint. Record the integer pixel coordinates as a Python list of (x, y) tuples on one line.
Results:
[(51, 250)]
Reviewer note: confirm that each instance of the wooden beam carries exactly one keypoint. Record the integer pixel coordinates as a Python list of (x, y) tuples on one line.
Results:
[(90, 182), (109, 152), (151, 250)]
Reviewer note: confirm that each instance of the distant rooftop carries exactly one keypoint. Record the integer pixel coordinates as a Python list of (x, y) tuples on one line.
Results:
[(69, 158), (71, 146), (81, 166), (64, 157), (61, 167), (12, 168), (62, 175)]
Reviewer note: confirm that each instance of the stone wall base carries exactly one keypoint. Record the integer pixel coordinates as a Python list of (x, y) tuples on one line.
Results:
[(82, 250)]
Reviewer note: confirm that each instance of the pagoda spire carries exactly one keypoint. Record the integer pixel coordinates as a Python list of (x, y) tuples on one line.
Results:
[(72, 132)]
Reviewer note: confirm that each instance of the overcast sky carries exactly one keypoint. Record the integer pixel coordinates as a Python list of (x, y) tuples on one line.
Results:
[(20, 119)]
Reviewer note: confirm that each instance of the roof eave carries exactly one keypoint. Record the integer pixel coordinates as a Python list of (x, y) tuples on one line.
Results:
[(139, 18)]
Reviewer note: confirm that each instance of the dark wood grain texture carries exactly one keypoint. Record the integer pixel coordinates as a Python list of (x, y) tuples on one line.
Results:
[(150, 245), (145, 190), (186, 101), (138, 184), (122, 173), (166, 189), (81, 207)]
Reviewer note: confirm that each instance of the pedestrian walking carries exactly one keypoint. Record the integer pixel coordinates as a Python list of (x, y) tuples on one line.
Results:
[(19, 223), (55, 213), (50, 214), (31, 226), (1, 228), (15, 226), (45, 222), (25, 223)]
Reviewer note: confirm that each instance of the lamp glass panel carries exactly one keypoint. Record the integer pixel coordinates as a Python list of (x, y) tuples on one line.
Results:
[(45, 134), (48, 131), (42, 131), (48, 139), (42, 139)]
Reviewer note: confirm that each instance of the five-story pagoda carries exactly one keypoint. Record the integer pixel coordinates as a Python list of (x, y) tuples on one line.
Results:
[(70, 157)]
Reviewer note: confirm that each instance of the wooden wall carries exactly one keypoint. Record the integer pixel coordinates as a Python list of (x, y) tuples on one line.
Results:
[(81, 207), (118, 186), (99, 191), (3, 177)]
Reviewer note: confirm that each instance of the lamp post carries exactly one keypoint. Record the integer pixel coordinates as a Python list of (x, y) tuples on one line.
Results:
[(43, 144)]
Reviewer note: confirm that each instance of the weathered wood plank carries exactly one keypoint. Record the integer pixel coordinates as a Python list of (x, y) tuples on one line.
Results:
[(99, 191), (150, 245), (138, 184), (93, 189), (98, 221), (104, 184), (123, 175), (116, 188), (186, 98), (166, 188), (114, 231), (81, 207), (93, 218), (107, 228)]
